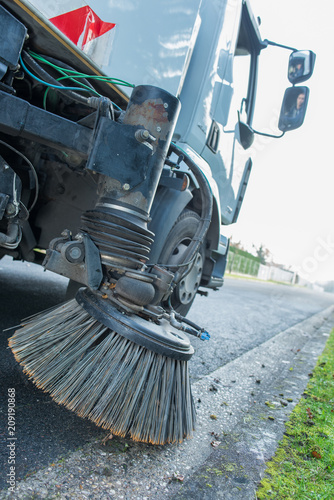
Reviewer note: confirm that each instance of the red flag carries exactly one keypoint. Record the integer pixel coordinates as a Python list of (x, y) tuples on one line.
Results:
[(81, 25)]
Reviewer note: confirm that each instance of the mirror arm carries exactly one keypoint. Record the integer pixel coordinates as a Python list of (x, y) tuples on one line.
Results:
[(274, 44), (268, 135)]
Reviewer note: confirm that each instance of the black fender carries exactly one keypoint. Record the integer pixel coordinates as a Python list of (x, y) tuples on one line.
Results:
[(168, 204), (212, 244)]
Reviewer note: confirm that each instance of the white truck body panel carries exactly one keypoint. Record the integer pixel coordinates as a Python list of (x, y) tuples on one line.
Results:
[(151, 42), (187, 48)]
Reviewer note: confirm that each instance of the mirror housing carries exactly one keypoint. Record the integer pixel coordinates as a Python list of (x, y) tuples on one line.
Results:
[(293, 108), (244, 134), (301, 65)]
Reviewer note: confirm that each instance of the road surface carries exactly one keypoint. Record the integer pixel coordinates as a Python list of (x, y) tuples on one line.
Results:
[(243, 316)]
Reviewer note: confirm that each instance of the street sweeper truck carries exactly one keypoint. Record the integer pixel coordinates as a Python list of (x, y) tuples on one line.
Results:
[(125, 148)]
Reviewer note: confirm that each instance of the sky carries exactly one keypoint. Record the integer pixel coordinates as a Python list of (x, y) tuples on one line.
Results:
[(288, 205)]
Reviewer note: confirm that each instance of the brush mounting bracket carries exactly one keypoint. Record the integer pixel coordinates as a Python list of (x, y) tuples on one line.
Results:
[(161, 337)]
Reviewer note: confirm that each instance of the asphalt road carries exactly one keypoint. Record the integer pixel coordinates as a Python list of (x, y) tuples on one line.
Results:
[(240, 317), (244, 314)]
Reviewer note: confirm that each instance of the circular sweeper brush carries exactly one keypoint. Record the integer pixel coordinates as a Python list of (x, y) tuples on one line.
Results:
[(126, 374), (114, 354)]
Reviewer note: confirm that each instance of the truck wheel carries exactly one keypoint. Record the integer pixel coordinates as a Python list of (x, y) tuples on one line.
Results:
[(176, 244)]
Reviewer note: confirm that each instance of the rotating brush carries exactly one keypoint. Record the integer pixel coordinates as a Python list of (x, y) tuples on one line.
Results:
[(112, 354), (103, 376)]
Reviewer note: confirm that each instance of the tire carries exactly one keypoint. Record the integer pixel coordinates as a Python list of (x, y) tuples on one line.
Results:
[(176, 244)]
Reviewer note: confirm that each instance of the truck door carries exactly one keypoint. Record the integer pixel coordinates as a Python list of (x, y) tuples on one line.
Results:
[(229, 137), (218, 88)]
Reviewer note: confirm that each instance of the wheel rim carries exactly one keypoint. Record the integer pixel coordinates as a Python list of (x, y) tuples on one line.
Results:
[(188, 286)]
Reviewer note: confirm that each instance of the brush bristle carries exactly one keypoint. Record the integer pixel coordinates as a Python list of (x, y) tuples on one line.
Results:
[(106, 378)]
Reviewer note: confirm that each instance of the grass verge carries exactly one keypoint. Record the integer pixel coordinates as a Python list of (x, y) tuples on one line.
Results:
[(303, 466)]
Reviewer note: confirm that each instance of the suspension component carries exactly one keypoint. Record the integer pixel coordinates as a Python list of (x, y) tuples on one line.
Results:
[(12, 212), (129, 158), (131, 164)]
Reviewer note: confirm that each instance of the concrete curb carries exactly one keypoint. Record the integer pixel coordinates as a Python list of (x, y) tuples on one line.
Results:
[(276, 372)]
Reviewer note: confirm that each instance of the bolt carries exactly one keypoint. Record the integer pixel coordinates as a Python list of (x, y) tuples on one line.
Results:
[(66, 233), (10, 209), (126, 186), (165, 105), (158, 129), (142, 135), (75, 253)]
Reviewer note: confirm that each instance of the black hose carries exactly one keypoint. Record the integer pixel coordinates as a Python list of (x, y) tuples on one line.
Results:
[(63, 65), (206, 212), (44, 75), (12, 238), (32, 169), (179, 317)]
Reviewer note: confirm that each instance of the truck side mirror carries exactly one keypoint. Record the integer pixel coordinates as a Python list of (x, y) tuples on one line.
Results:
[(244, 133), (301, 65), (293, 108)]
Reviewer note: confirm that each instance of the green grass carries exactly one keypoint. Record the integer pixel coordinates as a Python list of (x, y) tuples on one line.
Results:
[(303, 466)]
